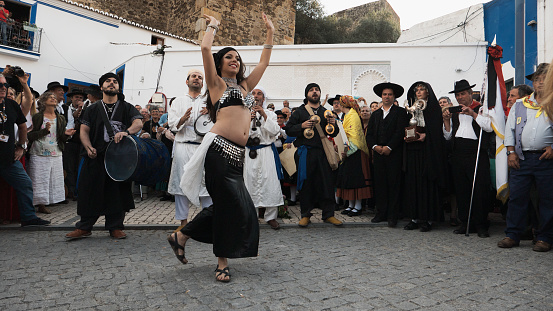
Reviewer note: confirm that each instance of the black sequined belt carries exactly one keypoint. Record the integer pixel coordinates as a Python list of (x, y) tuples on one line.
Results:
[(229, 150)]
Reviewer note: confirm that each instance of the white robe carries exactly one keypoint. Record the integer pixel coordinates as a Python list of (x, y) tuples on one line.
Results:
[(183, 151), (260, 174)]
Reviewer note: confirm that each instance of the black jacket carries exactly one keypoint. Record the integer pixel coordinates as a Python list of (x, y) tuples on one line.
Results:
[(387, 132)]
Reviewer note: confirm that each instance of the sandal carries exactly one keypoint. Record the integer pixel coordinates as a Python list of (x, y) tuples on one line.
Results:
[(224, 271), (173, 241)]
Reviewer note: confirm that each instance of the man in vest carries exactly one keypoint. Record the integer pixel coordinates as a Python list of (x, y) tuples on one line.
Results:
[(529, 142), (464, 129)]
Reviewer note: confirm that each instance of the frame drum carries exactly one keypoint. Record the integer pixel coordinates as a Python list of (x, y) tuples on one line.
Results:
[(203, 124)]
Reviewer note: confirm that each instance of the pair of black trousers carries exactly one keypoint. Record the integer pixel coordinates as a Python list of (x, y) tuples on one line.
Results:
[(230, 224), (463, 165), (387, 185), (318, 187), (113, 222), (71, 158)]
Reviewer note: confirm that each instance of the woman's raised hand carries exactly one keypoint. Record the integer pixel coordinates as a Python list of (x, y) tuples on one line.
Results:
[(268, 23), (211, 20)]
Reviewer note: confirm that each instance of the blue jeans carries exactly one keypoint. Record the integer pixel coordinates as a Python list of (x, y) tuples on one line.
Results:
[(520, 181), (4, 32), (16, 177)]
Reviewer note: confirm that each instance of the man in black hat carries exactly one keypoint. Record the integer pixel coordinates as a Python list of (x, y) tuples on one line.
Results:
[(315, 178), (73, 144), (385, 136), (336, 108), (98, 194), (59, 90), (463, 129), (93, 94)]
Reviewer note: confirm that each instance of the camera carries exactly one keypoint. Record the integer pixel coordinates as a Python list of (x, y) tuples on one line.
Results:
[(455, 109), (11, 73)]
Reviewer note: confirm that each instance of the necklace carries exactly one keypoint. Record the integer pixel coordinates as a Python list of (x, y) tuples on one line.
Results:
[(109, 107), (232, 81)]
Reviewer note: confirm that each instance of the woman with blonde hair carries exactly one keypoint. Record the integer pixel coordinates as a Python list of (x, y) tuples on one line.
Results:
[(548, 93)]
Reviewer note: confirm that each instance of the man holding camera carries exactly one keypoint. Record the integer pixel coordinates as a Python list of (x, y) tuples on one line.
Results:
[(462, 125), (11, 170)]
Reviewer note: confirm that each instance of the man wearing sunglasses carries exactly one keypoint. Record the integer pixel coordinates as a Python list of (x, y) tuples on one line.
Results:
[(11, 151)]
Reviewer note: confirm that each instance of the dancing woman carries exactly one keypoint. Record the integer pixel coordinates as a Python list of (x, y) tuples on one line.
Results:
[(230, 224)]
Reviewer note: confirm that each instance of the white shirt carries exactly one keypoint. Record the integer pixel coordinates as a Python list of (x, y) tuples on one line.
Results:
[(465, 129), (179, 107), (70, 120), (385, 112)]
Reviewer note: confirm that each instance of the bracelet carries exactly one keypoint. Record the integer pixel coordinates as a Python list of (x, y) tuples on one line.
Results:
[(268, 46), (214, 27)]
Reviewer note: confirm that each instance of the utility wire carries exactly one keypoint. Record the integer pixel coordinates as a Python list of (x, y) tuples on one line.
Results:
[(54, 46)]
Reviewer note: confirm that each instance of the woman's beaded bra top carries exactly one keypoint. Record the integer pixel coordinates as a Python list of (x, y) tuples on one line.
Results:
[(233, 97)]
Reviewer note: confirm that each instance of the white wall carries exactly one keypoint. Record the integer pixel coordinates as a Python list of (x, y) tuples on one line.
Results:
[(444, 30), (77, 48), (339, 69), (545, 31)]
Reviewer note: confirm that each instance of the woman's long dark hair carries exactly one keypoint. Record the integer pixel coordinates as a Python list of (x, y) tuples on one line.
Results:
[(218, 58)]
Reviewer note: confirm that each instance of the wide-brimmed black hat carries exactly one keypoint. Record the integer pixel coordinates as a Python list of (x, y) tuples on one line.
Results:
[(76, 91), (94, 90), (460, 86), (55, 84), (35, 93), (398, 89), (541, 69), (337, 97)]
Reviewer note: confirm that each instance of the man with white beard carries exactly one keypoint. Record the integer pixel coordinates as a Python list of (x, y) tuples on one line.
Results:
[(260, 167)]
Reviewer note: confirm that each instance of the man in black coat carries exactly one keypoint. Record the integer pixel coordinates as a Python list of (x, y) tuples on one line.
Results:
[(385, 134)]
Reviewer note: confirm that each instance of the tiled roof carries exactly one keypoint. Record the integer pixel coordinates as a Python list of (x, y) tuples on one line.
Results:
[(132, 23)]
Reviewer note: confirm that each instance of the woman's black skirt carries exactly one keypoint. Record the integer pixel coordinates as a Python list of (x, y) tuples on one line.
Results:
[(230, 224)]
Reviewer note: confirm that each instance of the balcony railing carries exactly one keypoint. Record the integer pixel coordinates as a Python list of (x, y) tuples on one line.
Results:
[(20, 36)]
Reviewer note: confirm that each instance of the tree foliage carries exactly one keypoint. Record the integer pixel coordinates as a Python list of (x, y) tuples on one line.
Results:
[(313, 27)]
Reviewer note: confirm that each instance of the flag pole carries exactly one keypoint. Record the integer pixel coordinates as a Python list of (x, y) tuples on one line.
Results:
[(484, 104)]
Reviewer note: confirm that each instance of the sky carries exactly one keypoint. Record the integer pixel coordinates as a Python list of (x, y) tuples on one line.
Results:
[(410, 12)]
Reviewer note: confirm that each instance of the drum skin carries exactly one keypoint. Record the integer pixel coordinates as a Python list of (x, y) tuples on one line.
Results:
[(202, 125), (144, 161)]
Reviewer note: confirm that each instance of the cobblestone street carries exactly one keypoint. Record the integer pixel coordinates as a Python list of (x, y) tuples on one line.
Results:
[(321, 267)]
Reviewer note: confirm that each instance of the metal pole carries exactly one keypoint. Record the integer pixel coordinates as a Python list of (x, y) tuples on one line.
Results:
[(520, 65), (474, 181)]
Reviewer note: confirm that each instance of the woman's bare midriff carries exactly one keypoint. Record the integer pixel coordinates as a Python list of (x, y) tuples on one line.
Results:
[(233, 123)]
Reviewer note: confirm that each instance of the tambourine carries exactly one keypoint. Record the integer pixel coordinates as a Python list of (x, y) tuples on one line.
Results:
[(203, 124)]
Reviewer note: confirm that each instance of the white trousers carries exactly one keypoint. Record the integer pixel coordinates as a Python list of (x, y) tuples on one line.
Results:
[(46, 174), (182, 206), (270, 212)]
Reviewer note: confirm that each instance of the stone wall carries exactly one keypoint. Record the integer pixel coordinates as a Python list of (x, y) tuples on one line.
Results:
[(359, 12), (241, 22)]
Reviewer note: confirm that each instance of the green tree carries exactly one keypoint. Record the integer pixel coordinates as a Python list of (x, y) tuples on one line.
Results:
[(375, 27), (313, 27)]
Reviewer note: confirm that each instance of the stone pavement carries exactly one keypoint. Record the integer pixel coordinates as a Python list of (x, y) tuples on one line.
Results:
[(152, 213), (317, 268)]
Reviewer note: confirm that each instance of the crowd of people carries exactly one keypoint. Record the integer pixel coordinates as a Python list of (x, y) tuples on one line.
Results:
[(12, 31), (238, 159)]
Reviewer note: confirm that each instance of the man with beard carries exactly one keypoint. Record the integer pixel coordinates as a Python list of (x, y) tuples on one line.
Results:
[(463, 129), (182, 114), (385, 134), (424, 161), (98, 193), (315, 177), (529, 142), (260, 167)]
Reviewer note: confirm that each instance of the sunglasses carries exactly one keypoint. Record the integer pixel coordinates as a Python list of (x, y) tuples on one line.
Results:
[(6, 85)]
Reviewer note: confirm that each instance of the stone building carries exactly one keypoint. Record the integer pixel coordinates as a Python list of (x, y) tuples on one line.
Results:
[(358, 12), (241, 22)]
